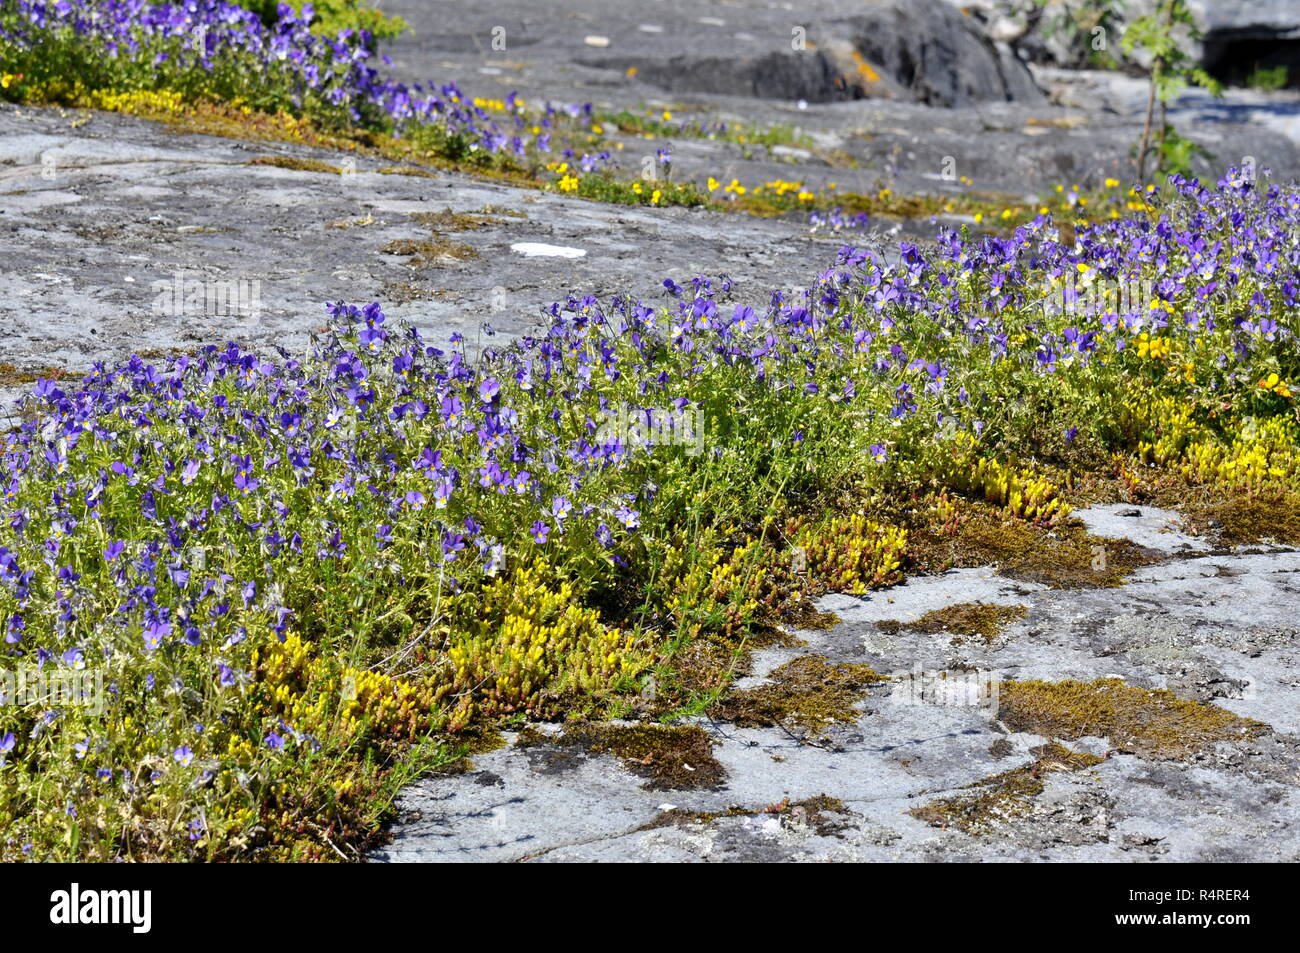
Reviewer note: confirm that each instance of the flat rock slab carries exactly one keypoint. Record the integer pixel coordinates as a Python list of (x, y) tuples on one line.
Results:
[(98, 212), (1219, 629), (1011, 132), (1148, 526)]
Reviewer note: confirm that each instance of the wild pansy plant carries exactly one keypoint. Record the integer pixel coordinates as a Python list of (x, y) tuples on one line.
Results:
[(300, 575), (110, 53)]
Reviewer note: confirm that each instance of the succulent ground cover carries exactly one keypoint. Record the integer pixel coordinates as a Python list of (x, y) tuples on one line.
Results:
[(304, 578)]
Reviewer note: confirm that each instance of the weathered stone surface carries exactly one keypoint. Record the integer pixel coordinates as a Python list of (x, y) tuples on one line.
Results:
[(818, 51)]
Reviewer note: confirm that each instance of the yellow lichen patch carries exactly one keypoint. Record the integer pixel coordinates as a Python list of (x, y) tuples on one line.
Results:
[(1150, 723), (1003, 796), (808, 693)]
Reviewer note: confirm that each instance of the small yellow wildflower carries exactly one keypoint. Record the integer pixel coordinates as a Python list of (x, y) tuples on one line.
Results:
[(1276, 385)]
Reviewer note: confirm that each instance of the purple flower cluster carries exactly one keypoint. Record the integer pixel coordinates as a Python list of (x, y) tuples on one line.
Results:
[(217, 49)]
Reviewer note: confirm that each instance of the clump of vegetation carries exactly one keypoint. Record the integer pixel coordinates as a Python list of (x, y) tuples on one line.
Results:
[(952, 533), (13, 376), (808, 693), (851, 553), (1149, 723), (1269, 77), (970, 619), (673, 757), (1005, 796), (811, 811), (449, 221), (331, 16), (298, 165), (1023, 493), (307, 576), (434, 251), (1270, 514)]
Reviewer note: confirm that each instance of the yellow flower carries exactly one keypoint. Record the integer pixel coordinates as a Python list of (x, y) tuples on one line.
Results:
[(668, 117), (1276, 385), (569, 183), (979, 217), (6, 79), (1155, 348), (655, 196), (713, 184), (1112, 183)]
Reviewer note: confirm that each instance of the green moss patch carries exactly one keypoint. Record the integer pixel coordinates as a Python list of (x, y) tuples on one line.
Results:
[(1065, 556), (449, 221), (1149, 723), (808, 693), (1003, 796), (13, 376), (672, 757), (968, 619), (429, 252), (813, 809), (1268, 515), (297, 165)]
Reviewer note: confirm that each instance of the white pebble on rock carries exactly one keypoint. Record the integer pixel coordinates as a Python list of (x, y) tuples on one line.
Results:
[(542, 250)]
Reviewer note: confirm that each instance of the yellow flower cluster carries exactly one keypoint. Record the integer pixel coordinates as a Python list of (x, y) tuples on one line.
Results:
[(1156, 348), (1276, 385)]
